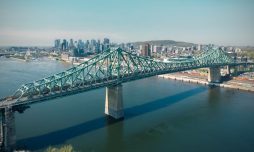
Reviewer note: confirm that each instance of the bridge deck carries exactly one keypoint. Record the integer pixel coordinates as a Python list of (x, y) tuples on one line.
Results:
[(109, 68)]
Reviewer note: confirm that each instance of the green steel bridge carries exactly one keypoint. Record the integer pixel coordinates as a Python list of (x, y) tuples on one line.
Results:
[(110, 68)]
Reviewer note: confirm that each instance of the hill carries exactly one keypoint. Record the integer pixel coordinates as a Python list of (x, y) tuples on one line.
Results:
[(166, 43)]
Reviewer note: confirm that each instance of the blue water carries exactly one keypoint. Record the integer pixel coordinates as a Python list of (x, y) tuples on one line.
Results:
[(160, 115)]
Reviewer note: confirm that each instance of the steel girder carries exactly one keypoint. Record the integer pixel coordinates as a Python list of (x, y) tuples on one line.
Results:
[(111, 67)]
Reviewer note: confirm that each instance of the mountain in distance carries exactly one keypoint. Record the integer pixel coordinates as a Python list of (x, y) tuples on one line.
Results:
[(166, 43), (247, 48)]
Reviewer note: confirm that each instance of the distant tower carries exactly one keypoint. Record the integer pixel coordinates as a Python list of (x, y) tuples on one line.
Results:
[(71, 45), (93, 45), (81, 44), (145, 49), (106, 43), (98, 48), (199, 47), (58, 43), (87, 44), (64, 45)]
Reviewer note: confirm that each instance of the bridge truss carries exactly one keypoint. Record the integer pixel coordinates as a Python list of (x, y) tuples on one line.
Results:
[(112, 67)]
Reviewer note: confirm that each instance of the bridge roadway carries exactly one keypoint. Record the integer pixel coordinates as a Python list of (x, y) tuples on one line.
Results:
[(109, 69), (85, 77)]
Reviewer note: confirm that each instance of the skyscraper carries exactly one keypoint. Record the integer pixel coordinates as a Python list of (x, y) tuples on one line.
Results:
[(58, 43), (145, 49), (98, 48), (71, 45), (87, 44), (81, 44), (106, 43), (93, 42), (64, 45)]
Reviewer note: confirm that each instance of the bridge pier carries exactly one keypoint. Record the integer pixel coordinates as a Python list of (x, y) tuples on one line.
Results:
[(228, 70), (114, 102), (214, 75), (8, 132), (240, 68), (235, 71), (251, 68)]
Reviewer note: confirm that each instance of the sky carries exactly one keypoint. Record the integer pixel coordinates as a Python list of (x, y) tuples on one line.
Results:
[(40, 22)]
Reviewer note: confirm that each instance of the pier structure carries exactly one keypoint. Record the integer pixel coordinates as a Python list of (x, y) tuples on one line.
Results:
[(7, 128), (214, 75), (114, 101), (109, 69)]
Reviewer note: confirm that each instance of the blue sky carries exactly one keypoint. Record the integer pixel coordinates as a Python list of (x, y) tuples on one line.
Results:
[(39, 22)]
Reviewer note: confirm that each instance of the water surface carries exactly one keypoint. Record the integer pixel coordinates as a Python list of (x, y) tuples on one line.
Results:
[(160, 115)]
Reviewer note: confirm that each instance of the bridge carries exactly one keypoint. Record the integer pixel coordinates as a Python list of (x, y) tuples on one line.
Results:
[(109, 69)]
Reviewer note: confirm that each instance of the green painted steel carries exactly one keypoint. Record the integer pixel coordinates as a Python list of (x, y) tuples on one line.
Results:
[(112, 67)]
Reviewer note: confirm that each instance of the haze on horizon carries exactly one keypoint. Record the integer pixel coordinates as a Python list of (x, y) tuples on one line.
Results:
[(38, 23)]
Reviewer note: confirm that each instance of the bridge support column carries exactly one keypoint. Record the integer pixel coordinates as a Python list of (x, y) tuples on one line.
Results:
[(214, 75), (114, 102), (251, 68), (8, 132), (235, 71), (228, 70)]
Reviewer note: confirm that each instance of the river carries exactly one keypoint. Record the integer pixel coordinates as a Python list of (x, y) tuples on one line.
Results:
[(160, 115)]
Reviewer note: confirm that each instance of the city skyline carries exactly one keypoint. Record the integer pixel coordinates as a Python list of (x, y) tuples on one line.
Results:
[(38, 23)]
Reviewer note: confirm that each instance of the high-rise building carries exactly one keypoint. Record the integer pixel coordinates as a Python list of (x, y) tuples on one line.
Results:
[(98, 48), (152, 48), (106, 43), (58, 43), (93, 42), (87, 44), (71, 45), (199, 47), (81, 44), (101, 47), (128, 46), (145, 49), (157, 49), (75, 44), (64, 44)]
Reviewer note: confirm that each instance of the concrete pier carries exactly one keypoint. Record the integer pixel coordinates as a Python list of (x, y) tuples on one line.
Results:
[(8, 132), (235, 71), (228, 70), (214, 75), (114, 102)]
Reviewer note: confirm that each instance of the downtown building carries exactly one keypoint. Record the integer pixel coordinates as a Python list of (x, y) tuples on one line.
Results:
[(145, 50)]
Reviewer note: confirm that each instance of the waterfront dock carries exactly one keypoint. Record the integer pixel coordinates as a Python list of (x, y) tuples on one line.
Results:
[(233, 84)]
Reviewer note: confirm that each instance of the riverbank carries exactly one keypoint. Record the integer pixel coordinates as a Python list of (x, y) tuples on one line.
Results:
[(232, 84), (19, 59)]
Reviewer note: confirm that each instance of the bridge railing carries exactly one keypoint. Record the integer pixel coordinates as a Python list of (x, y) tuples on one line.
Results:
[(113, 65)]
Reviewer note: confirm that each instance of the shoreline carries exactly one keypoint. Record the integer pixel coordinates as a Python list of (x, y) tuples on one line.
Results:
[(203, 82), (18, 59)]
